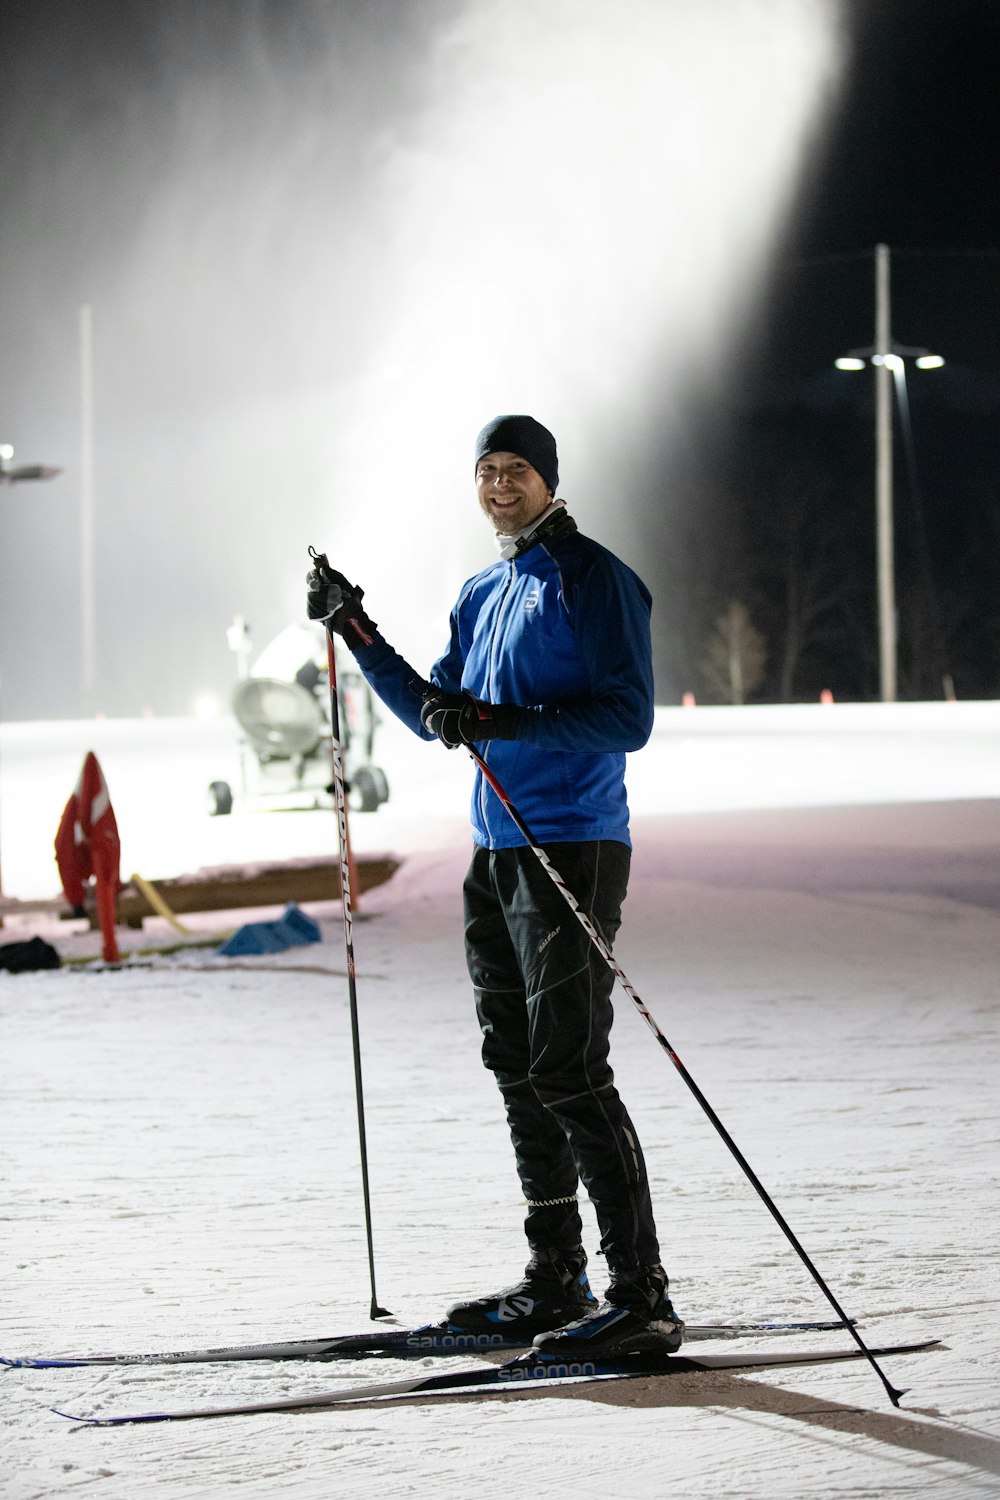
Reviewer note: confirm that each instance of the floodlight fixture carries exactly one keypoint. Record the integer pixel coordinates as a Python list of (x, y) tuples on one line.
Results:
[(23, 471), (859, 359)]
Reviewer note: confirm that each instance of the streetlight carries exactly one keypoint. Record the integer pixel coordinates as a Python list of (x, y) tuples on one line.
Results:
[(888, 359), (23, 471)]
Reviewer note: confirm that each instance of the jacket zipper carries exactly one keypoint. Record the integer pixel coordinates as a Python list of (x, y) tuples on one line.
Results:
[(483, 788)]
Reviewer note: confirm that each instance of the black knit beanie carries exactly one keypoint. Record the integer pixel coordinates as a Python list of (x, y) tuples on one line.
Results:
[(525, 437)]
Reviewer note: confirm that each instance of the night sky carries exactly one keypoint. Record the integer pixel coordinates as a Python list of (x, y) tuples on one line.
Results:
[(913, 161), (198, 493)]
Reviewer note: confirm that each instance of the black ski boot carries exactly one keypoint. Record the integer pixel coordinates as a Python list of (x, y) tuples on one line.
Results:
[(554, 1290), (636, 1315)]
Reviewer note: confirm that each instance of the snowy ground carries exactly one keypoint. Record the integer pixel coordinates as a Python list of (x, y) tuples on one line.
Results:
[(813, 919)]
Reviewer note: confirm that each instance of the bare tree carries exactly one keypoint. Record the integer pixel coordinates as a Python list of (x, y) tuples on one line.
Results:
[(809, 591), (735, 656), (928, 623)]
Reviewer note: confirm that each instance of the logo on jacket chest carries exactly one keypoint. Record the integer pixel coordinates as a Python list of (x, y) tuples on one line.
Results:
[(531, 601)]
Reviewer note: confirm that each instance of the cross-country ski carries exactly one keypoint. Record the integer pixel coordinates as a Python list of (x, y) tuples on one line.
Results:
[(529, 1369), (432, 1338)]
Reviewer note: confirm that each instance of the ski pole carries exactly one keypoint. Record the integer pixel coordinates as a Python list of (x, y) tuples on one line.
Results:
[(609, 959), (322, 565)]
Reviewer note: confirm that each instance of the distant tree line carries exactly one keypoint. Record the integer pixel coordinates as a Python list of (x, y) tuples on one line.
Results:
[(772, 593)]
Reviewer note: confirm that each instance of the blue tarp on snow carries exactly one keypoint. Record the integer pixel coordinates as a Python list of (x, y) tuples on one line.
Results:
[(293, 929)]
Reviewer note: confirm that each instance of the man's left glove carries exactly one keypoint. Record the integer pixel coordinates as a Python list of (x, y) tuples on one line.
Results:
[(459, 719), (330, 597)]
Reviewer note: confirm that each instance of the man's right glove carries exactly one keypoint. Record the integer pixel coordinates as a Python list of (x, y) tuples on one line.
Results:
[(335, 601)]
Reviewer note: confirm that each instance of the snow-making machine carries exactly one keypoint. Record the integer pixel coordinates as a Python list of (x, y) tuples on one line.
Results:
[(282, 708)]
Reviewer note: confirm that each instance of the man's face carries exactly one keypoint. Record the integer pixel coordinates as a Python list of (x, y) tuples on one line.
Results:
[(511, 493)]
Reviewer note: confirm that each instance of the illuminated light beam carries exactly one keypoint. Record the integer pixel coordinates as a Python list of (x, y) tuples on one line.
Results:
[(579, 217)]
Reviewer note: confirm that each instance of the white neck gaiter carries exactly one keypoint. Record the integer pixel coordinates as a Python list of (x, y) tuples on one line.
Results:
[(508, 545)]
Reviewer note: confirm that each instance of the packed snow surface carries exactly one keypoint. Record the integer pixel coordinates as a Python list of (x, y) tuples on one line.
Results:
[(813, 921)]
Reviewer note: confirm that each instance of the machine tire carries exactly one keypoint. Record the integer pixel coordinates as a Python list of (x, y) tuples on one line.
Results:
[(220, 799), (369, 789)]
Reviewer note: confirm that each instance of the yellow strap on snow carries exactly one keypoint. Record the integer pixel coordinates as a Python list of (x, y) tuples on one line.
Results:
[(158, 904)]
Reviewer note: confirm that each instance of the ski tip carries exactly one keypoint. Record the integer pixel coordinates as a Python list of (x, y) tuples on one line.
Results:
[(41, 1364), (73, 1417), (151, 1416)]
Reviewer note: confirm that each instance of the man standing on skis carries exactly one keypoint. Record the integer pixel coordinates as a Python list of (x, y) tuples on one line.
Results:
[(548, 673)]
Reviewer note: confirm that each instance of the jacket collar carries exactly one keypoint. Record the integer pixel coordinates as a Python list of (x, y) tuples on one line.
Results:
[(553, 522)]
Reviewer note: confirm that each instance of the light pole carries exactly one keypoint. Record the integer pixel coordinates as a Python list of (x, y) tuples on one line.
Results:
[(887, 358), (11, 475)]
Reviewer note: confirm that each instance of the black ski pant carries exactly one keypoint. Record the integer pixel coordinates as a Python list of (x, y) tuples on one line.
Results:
[(543, 996)]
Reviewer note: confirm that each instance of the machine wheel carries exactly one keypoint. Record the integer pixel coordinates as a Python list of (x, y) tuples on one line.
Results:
[(369, 789), (220, 799)]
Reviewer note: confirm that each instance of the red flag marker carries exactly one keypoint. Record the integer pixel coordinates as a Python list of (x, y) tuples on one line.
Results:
[(87, 844)]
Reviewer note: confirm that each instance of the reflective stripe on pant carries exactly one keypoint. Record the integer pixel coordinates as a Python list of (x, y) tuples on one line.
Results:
[(543, 996)]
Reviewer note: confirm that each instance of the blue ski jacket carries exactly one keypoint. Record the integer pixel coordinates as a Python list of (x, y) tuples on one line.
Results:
[(563, 630)]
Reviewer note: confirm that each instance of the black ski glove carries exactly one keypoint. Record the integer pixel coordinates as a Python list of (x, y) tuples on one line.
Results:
[(459, 719), (335, 601)]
